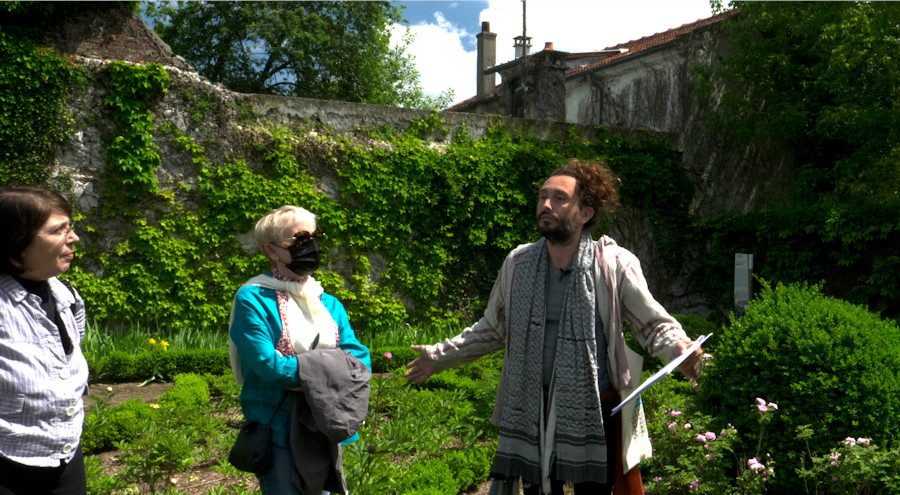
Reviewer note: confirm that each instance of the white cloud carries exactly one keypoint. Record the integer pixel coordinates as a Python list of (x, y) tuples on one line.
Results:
[(442, 61), (572, 26)]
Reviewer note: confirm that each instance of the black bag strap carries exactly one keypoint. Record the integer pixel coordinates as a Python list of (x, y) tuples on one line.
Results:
[(68, 286), (283, 396)]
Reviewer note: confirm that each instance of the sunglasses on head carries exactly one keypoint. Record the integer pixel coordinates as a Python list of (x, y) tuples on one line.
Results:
[(300, 239)]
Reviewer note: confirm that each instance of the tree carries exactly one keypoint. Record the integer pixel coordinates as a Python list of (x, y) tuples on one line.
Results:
[(324, 50), (824, 74)]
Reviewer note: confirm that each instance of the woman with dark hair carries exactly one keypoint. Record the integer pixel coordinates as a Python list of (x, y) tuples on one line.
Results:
[(43, 375)]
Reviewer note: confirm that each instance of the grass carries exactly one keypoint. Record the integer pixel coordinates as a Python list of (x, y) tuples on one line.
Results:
[(100, 340), (405, 335)]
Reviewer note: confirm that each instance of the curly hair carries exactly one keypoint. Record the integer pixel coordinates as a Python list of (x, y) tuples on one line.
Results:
[(595, 186)]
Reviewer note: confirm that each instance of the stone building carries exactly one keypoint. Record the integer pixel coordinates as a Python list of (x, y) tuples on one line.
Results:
[(639, 84)]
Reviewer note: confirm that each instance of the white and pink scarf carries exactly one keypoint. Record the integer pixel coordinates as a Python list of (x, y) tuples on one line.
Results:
[(305, 321)]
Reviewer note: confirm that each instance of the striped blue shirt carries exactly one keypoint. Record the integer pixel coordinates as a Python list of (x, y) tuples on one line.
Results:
[(41, 388)]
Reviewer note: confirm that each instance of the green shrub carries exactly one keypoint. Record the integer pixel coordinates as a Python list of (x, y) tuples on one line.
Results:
[(103, 427), (189, 390), (825, 362), (432, 477), (214, 361), (120, 366), (453, 472), (472, 465), (400, 355), (117, 366), (696, 326), (222, 385)]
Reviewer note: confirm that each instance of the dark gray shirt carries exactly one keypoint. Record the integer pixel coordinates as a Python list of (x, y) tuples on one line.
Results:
[(556, 284)]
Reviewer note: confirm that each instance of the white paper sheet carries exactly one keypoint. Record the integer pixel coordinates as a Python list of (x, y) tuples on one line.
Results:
[(663, 372)]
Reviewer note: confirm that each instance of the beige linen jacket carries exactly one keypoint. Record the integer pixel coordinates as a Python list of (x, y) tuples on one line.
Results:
[(621, 293)]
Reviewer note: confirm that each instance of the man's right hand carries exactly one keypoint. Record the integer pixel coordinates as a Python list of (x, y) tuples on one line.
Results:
[(421, 367)]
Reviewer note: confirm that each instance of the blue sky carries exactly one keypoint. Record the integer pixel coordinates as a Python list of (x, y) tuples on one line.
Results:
[(463, 14), (444, 31)]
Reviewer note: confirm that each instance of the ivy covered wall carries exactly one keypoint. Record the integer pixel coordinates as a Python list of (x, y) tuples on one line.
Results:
[(169, 174)]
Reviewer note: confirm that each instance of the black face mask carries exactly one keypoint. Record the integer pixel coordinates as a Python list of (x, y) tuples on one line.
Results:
[(305, 259)]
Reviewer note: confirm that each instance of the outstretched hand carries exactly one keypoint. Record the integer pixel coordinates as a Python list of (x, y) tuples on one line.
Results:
[(692, 365), (421, 367)]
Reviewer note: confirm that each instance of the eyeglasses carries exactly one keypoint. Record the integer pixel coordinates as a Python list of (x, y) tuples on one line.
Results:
[(63, 231), (301, 239)]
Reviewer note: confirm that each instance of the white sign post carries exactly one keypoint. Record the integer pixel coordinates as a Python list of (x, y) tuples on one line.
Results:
[(743, 282)]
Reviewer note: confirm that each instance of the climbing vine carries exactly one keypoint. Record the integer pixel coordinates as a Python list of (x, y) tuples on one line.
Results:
[(418, 234), (132, 155), (34, 82)]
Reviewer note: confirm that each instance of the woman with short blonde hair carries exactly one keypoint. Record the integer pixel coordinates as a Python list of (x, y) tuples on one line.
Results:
[(276, 318)]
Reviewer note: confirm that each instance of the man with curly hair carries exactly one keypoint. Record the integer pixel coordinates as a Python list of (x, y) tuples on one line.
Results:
[(557, 309)]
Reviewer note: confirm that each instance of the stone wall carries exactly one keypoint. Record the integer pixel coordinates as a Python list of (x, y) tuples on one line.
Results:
[(224, 134)]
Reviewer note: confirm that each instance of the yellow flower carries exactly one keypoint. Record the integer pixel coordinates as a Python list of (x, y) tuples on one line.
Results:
[(152, 341), (164, 344)]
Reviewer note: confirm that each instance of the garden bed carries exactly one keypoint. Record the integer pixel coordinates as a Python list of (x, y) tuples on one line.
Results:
[(202, 477)]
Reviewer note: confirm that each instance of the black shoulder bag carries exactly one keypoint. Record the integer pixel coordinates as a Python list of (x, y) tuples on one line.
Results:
[(252, 451)]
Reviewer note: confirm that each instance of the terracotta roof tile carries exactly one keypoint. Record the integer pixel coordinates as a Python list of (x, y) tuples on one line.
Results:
[(658, 39), (468, 101)]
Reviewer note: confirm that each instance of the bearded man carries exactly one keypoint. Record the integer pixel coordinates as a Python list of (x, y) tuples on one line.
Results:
[(557, 309)]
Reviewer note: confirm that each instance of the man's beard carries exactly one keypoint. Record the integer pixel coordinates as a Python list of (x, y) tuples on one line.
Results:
[(562, 232)]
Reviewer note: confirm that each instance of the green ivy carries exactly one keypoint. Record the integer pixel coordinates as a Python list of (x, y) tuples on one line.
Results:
[(442, 221), (133, 155), (417, 235), (34, 83)]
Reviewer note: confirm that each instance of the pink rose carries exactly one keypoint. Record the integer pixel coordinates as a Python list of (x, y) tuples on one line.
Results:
[(755, 465)]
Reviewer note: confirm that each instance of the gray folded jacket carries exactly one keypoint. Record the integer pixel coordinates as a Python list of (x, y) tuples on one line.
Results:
[(330, 409)]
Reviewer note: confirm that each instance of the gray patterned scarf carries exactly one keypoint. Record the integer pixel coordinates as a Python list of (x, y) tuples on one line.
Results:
[(574, 425)]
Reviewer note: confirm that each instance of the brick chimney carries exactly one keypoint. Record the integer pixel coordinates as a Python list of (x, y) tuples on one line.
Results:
[(487, 58)]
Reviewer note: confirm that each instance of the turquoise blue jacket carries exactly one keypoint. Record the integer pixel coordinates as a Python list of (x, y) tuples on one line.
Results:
[(255, 331)]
